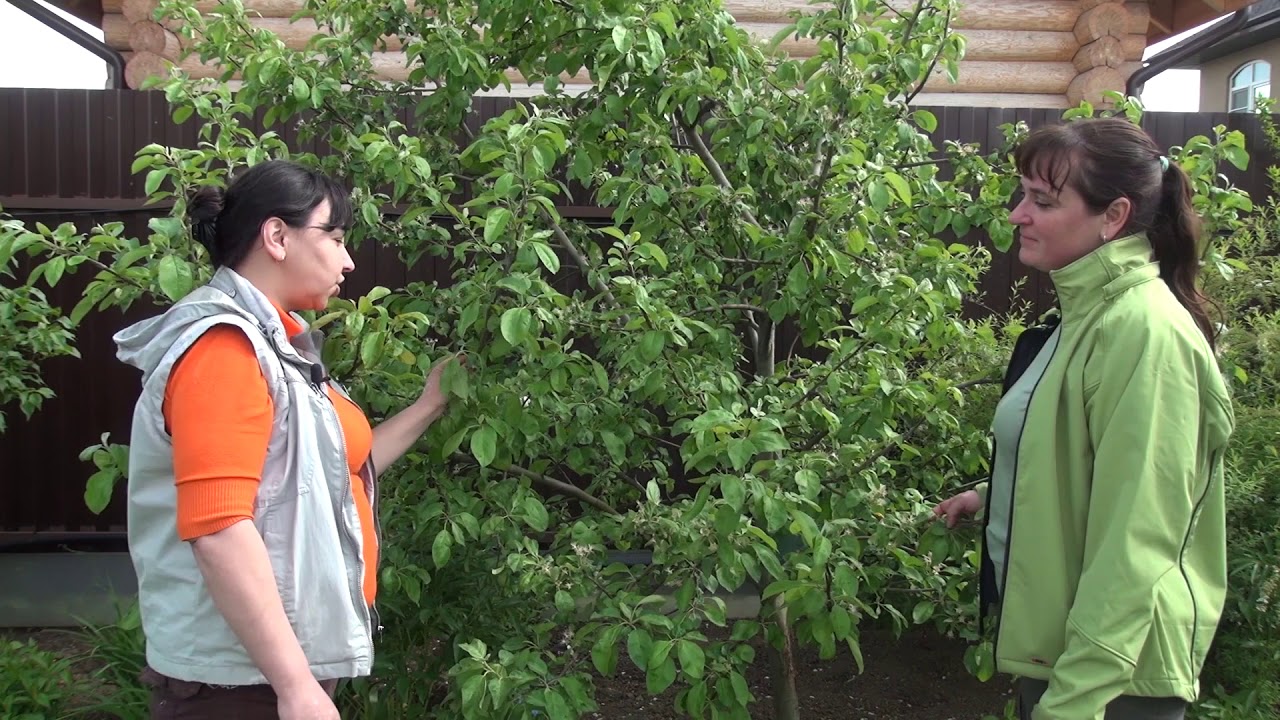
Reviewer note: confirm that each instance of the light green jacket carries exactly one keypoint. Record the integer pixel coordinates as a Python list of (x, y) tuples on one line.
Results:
[(1116, 569)]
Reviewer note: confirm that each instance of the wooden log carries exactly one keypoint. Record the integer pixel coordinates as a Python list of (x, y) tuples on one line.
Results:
[(1134, 46), (1139, 17), (982, 44), (386, 66), (115, 31), (152, 37), (980, 76), (143, 65), (1049, 15), (112, 7), (1019, 45), (997, 100), (1090, 85), (1101, 21), (138, 10), (1103, 52)]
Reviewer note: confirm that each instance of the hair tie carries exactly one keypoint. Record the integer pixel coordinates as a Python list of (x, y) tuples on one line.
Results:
[(1164, 163)]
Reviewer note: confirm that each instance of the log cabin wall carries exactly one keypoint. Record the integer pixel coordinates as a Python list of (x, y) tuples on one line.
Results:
[(1021, 53)]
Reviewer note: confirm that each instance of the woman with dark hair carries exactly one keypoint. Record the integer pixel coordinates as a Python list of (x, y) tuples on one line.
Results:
[(252, 476), (1104, 554)]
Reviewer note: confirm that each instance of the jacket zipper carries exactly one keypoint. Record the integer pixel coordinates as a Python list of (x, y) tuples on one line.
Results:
[(347, 491), (368, 466), (1186, 538), (369, 612), (1013, 488)]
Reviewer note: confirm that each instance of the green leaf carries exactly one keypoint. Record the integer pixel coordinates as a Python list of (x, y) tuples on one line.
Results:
[(495, 223), (154, 178), (651, 345), (468, 317), (97, 492), (515, 325), (454, 380), (926, 120), (564, 601), (922, 612), (175, 277), (1237, 156), (692, 659), (604, 654), (142, 161), (741, 450), (665, 21), (639, 645), (54, 269), (658, 254), (740, 689), (442, 548), (621, 38), (484, 445), (473, 690), (301, 91), (549, 259), (661, 677), (899, 186), (535, 513), (371, 348), (733, 490), (555, 704)]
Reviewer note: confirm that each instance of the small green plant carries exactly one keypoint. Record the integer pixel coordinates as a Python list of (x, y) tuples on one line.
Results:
[(119, 651), (34, 684)]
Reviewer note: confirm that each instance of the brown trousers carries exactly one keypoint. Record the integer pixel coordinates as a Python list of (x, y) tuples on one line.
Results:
[(184, 700)]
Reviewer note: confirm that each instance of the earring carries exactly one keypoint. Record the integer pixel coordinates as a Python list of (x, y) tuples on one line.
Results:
[(1104, 237)]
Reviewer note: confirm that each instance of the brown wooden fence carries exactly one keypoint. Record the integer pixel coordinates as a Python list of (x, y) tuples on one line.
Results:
[(65, 157)]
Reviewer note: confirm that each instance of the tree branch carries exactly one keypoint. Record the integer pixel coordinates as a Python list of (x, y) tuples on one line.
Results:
[(817, 387), (580, 260), (552, 484), (932, 63), (740, 306), (714, 167)]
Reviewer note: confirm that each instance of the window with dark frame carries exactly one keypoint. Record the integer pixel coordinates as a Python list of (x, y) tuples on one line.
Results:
[(1251, 81)]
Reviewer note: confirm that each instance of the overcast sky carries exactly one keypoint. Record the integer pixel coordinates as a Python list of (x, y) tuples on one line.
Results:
[(34, 56)]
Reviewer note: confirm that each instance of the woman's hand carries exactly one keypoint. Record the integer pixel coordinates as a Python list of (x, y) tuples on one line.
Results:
[(957, 508), (433, 399), (309, 701)]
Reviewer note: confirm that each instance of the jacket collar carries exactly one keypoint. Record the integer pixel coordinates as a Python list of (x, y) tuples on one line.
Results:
[(1103, 274)]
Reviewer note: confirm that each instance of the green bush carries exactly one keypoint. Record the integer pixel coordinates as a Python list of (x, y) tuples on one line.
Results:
[(34, 684), (1242, 676)]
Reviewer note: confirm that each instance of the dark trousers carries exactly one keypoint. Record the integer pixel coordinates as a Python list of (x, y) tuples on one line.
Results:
[(183, 700), (1126, 707)]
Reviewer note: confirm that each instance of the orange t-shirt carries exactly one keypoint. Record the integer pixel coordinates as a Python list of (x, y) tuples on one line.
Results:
[(219, 414)]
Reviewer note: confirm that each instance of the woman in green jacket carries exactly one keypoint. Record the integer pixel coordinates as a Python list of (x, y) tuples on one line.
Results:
[(1104, 554)]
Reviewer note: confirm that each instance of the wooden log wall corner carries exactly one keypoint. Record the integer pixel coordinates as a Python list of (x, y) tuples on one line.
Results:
[(1021, 53), (1109, 48)]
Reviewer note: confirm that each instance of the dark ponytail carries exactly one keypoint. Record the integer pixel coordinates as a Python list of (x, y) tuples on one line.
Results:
[(227, 223), (1175, 235), (1104, 159), (202, 211)]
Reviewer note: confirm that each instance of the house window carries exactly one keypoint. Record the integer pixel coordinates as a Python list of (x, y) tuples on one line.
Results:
[(1247, 84)]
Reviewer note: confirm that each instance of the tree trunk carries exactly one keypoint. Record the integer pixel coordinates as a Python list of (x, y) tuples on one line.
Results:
[(786, 703)]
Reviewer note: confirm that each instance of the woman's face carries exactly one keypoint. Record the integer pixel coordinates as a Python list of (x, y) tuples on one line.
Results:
[(316, 261), (1055, 228)]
